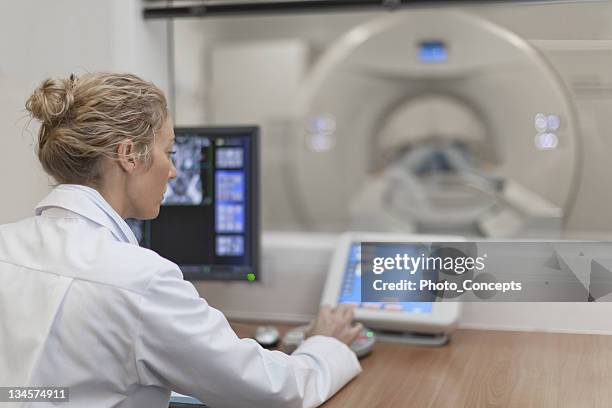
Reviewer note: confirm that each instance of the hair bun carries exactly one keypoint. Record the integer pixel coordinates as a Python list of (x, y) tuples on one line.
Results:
[(52, 100)]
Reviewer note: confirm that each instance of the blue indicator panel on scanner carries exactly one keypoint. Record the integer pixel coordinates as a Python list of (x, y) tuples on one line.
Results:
[(350, 291), (209, 220), (432, 52)]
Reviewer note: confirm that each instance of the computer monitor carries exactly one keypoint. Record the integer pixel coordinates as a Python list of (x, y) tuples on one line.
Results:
[(209, 219)]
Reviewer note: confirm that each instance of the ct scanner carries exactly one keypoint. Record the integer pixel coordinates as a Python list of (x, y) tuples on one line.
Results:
[(486, 134), (434, 122)]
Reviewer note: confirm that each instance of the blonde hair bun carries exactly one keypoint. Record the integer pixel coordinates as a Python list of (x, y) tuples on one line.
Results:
[(85, 118), (52, 100)]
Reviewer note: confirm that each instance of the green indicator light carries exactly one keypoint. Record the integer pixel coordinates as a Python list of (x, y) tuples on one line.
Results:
[(250, 276), (370, 334)]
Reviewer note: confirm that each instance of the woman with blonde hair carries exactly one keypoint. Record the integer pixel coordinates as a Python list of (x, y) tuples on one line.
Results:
[(83, 306)]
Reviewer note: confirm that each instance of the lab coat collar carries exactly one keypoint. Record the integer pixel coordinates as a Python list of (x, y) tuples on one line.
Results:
[(88, 203)]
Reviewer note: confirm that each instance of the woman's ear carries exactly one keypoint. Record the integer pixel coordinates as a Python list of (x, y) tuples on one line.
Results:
[(126, 155)]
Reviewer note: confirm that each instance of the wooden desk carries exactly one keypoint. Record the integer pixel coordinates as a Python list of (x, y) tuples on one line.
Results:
[(483, 369)]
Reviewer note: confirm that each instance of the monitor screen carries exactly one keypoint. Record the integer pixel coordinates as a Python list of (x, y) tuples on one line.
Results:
[(431, 52), (350, 289), (209, 220)]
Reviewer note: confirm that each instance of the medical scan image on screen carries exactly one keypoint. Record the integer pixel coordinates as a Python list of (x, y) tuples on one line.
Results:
[(206, 222), (186, 188), (350, 290)]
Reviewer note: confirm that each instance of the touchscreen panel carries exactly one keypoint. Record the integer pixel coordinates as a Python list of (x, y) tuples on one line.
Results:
[(350, 289)]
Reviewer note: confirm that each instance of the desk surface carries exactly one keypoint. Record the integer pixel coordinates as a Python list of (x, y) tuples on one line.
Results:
[(483, 369)]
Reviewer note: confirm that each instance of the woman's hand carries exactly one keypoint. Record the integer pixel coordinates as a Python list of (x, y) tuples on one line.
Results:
[(335, 322)]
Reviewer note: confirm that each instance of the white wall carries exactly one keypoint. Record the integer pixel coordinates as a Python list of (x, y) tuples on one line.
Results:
[(39, 39)]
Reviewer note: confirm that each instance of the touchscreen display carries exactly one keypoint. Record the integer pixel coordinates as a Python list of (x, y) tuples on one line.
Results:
[(350, 290)]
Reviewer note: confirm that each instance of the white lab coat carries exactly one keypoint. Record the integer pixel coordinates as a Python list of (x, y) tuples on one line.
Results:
[(83, 306)]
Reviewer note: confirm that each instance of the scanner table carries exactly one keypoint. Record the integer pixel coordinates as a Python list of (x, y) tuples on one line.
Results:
[(480, 368)]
